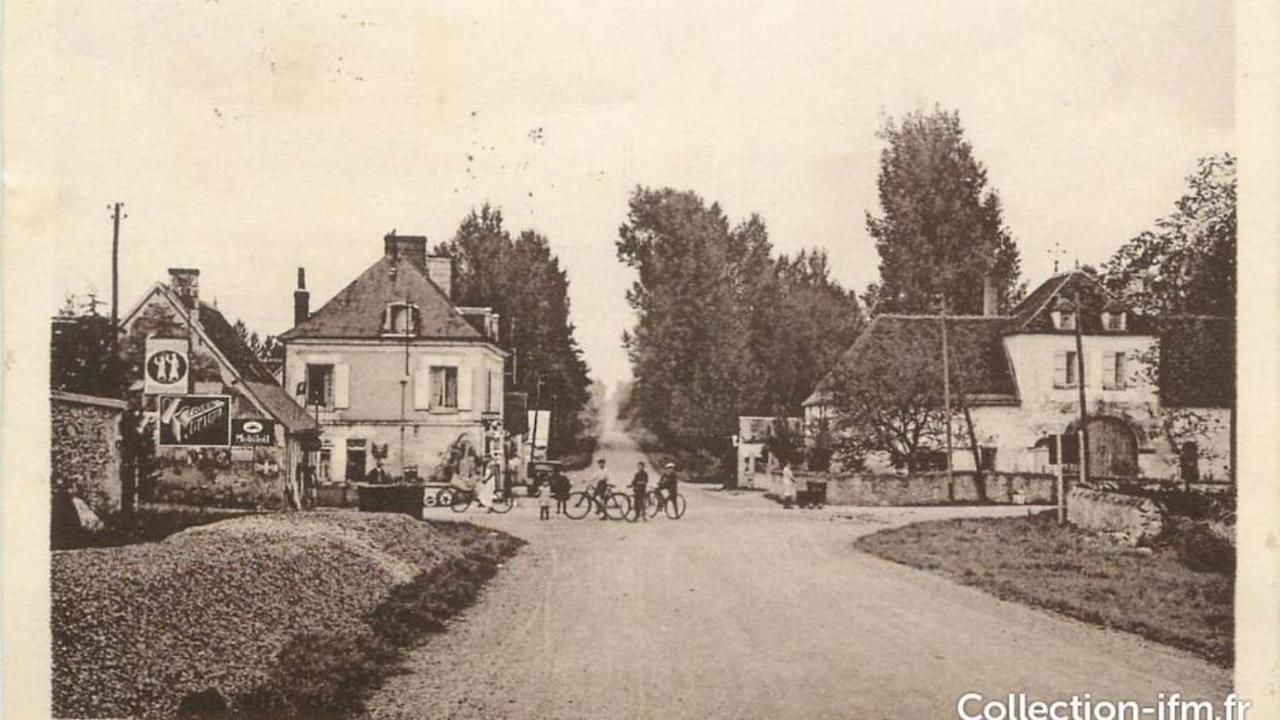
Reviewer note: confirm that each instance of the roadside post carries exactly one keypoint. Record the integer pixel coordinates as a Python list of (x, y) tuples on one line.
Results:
[(1062, 494)]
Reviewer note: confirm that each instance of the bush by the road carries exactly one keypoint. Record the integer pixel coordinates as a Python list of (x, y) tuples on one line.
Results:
[(242, 607), (1151, 592)]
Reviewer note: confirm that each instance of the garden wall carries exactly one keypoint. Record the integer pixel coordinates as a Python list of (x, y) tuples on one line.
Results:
[(1136, 520), (220, 477), (85, 449), (927, 488)]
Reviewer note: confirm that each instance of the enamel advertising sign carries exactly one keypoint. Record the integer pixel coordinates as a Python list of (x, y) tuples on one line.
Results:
[(166, 367), (253, 432), (194, 421)]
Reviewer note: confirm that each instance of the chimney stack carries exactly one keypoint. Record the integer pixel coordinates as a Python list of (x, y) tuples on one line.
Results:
[(411, 247), (185, 283), (301, 299), (990, 298), (440, 271)]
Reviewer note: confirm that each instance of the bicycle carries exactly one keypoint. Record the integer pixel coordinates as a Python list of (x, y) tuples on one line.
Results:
[(615, 506), (656, 502), (460, 500)]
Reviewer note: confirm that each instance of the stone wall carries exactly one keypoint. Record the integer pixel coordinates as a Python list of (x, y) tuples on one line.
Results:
[(220, 477), (926, 488), (85, 449), (1131, 519)]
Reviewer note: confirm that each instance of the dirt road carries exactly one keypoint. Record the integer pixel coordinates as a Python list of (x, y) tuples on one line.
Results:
[(744, 610)]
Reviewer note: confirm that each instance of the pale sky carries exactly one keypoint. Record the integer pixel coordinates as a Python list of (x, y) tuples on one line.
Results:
[(250, 139)]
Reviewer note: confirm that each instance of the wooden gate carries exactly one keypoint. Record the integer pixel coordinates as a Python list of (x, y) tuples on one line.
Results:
[(1113, 448)]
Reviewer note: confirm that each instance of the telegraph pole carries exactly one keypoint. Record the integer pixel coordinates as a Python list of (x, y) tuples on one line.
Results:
[(115, 282), (1084, 408), (946, 396)]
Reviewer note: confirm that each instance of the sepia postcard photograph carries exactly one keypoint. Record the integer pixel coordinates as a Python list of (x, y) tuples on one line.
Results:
[(830, 359)]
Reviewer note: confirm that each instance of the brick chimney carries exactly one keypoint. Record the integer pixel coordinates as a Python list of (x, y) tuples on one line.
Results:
[(990, 298), (185, 283), (440, 270), (301, 299), (411, 247)]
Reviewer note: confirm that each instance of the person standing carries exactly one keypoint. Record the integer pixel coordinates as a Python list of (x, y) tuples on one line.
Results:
[(378, 475), (639, 487), (544, 504), (788, 485), (601, 487), (560, 487), (668, 483), (487, 486)]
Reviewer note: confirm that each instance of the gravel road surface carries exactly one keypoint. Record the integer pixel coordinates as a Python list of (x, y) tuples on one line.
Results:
[(744, 610)]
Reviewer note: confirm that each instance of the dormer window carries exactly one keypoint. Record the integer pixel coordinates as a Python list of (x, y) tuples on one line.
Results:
[(401, 318), (1114, 319), (1063, 314)]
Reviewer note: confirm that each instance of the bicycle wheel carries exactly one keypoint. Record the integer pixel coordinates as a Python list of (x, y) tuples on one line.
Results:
[(444, 497), (460, 502), (653, 503), (430, 499), (675, 508), (617, 507), (578, 505), (502, 503)]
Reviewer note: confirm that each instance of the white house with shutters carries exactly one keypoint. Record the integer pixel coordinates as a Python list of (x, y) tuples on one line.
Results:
[(1159, 392), (393, 370)]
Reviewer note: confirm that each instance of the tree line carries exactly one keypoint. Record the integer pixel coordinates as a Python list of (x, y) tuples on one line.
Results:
[(724, 326)]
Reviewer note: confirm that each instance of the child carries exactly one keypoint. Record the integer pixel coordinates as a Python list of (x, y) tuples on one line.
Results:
[(544, 504)]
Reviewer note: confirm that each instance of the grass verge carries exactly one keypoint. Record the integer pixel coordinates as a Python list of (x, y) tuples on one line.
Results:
[(331, 676), (1034, 560)]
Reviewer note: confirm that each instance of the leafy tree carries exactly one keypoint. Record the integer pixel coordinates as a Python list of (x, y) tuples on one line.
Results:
[(724, 328), (942, 231), (521, 279), (1187, 263), (268, 349), (80, 351)]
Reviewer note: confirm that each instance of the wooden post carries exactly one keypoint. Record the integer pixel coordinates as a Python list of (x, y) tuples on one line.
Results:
[(946, 399), (1062, 483), (1080, 380)]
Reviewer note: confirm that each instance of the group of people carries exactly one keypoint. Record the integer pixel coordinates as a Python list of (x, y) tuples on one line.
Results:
[(559, 490), (469, 477)]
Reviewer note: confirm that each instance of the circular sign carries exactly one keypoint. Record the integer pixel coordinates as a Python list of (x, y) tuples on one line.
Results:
[(252, 426), (167, 367)]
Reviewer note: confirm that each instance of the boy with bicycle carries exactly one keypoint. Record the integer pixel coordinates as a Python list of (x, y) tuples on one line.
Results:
[(640, 486), (601, 488)]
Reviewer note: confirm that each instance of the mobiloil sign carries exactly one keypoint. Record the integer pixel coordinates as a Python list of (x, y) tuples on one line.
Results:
[(194, 421)]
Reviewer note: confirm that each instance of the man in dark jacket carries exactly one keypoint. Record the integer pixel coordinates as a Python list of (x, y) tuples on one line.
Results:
[(639, 487)]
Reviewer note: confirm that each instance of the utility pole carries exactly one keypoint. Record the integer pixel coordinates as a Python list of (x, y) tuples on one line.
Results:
[(115, 286), (1080, 379), (946, 397)]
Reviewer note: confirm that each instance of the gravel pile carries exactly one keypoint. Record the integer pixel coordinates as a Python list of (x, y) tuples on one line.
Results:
[(135, 628)]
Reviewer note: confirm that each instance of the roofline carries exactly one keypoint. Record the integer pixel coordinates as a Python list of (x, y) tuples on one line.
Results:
[(397, 341), (1065, 277)]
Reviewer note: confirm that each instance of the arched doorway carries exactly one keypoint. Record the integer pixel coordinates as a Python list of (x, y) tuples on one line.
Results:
[(1113, 448)]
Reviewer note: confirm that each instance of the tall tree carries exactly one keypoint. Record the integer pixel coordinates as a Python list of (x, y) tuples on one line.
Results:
[(521, 279), (941, 231), (724, 328), (1186, 265)]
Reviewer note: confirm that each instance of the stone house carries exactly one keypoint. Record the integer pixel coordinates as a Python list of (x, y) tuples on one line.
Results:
[(394, 371), (262, 476), (1159, 392)]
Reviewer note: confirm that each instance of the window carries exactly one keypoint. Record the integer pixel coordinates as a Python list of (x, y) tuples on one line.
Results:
[(444, 387), (1070, 448), (355, 459), (988, 457), (401, 319), (323, 464), (1066, 369), (320, 385), (1113, 320), (1114, 372)]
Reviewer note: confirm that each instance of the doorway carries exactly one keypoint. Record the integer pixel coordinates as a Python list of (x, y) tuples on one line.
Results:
[(1113, 448)]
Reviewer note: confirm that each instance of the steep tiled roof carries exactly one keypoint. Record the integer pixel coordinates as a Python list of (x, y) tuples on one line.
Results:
[(974, 343), (1032, 315), (284, 408), (228, 342), (1197, 362), (357, 311)]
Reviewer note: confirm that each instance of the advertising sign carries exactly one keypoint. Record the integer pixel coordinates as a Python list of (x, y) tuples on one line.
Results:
[(540, 427), (166, 366), (194, 421), (253, 432)]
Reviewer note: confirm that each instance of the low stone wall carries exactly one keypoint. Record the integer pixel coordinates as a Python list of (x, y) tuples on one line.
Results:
[(927, 488), (1128, 518), (85, 449)]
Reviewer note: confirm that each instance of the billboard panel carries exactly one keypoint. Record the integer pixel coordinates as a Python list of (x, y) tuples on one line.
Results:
[(166, 367), (194, 421)]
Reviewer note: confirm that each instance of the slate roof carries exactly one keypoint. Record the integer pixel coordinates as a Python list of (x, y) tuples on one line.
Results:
[(224, 337), (1033, 313), (282, 407), (974, 342), (357, 311)]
